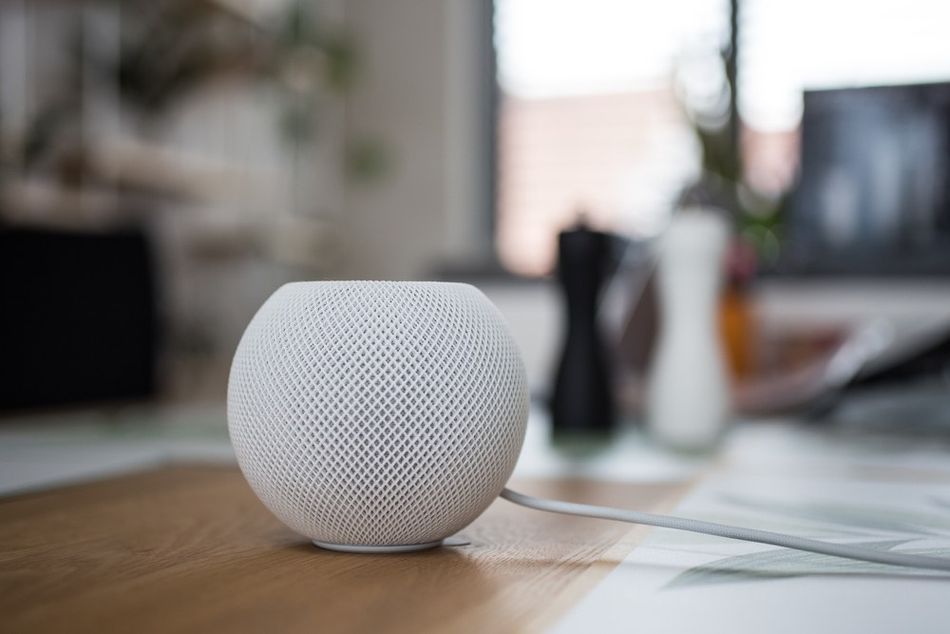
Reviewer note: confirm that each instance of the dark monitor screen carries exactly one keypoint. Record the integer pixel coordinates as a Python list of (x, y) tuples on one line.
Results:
[(873, 197)]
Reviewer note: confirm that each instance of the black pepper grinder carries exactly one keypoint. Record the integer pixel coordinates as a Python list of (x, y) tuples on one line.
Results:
[(583, 401)]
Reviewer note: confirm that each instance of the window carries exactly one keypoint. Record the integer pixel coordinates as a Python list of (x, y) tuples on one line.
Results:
[(600, 100), (592, 116)]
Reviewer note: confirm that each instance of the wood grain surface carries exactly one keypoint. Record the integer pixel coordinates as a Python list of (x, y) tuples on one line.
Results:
[(191, 549)]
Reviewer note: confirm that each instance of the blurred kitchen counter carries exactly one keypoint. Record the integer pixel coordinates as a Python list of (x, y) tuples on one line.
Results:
[(53, 449)]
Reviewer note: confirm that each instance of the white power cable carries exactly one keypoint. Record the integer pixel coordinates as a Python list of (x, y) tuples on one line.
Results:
[(731, 532)]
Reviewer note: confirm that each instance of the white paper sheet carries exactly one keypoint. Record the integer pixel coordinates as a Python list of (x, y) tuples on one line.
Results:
[(777, 479)]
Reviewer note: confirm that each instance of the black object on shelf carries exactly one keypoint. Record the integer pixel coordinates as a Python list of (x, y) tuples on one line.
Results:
[(583, 400), (79, 320)]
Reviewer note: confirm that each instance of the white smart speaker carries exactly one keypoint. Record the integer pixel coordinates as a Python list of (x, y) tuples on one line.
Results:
[(385, 416), (377, 416)]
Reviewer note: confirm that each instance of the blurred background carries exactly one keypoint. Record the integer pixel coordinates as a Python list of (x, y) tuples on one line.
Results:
[(165, 165)]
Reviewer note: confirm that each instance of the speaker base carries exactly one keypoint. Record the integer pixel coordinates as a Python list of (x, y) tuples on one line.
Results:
[(404, 548)]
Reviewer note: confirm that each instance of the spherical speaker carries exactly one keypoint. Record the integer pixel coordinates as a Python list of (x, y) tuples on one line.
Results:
[(377, 416)]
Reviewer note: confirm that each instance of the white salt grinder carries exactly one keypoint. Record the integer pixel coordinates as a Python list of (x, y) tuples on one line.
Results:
[(688, 390)]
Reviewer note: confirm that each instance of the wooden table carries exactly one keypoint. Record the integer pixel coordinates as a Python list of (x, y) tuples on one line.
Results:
[(189, 548)]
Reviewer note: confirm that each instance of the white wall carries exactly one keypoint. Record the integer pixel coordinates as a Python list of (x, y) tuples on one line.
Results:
[(416, 91)]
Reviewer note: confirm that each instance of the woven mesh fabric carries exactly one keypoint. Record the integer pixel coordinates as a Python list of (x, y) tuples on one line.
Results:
[(377, 413)]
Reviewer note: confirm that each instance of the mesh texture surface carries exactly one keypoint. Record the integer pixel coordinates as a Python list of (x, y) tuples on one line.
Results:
[(377, 413)]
